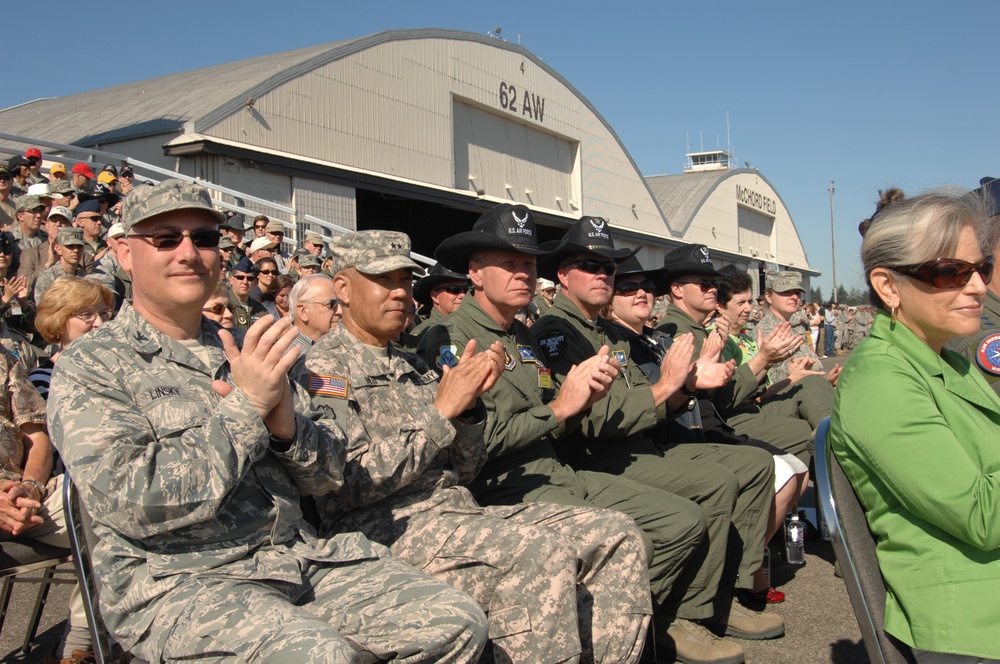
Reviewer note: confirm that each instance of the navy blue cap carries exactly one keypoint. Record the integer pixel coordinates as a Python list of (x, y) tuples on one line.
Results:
[(92, 205), (245, 265)]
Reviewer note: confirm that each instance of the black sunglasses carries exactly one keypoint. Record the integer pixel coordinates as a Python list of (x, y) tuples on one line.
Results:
[(947, 272), (454, 290), (594, 267), (166, 239), (632, 287), (241, 277), (269, 272)]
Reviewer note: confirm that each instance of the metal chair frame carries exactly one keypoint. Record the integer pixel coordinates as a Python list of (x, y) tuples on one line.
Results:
[(854, 545)]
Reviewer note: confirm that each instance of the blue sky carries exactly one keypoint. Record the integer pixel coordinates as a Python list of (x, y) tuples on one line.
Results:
[(868, 94)]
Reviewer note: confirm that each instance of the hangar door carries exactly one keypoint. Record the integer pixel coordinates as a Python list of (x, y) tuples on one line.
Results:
[(500, 157), (755, 232)]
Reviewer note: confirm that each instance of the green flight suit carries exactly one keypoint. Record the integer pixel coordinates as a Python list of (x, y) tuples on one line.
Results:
[(733, 484), (522, 465), (245, 315)]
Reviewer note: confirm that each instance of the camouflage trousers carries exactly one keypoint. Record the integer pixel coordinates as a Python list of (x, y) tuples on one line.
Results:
[(368, 611), (559, 584), (789, 418), (734, 487)]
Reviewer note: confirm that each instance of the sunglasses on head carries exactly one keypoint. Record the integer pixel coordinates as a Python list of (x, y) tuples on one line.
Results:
[(594, 267), (947, 272), (632, 287), (704, 284), (167, 239), (216, 309)]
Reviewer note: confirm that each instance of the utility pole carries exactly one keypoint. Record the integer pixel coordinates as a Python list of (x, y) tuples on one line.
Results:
[(833, 244)]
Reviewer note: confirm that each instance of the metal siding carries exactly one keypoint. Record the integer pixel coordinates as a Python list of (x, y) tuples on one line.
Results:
[(330, 202)]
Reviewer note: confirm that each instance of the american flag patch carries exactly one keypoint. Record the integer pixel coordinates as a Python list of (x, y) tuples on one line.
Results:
[(330, 386)]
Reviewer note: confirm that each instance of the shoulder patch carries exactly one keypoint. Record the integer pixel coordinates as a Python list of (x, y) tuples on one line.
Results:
[(447, 356), (329, 386), (988, 354), (553, 345)]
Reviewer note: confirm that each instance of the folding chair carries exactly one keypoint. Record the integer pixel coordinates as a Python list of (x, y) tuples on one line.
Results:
[(854, 545), (22, 557)]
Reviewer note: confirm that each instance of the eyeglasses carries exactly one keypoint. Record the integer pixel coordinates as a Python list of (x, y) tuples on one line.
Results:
[(166, 239), (90, 316), (332, 304), (595, 267), (5, 178), (633, 287), (216, 309), (267, 272), (453, 290), (947, 272), (704, 284), (241, 277), (260, 227)]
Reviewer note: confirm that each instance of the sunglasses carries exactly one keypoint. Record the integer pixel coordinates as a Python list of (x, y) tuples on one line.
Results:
[(166, 239), (260, 227), (454, 290), (947, 272), (633, 287), (267, 272), (241, 277), (98, 218), (595, 267), (704, 284), (216, 309)]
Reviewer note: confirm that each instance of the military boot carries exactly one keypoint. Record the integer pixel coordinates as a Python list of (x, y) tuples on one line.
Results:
[(690, 643), (749, 624)]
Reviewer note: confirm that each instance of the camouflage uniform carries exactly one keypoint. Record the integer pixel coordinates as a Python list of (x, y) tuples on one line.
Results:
[(203, 548), (733, 484), (523, 466), (537, 569), (779, 371), (49, 275)]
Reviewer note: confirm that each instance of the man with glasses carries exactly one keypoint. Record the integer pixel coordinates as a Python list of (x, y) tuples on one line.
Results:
[(88, 218), (69, 246), (439, 294), (309, 264), (246, 310), (194, 462), (623, 434), (314, 309), (314, 244), (275, 232)]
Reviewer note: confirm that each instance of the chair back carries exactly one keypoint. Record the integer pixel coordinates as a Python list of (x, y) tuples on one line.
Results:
[(854, 545), (82, 541)]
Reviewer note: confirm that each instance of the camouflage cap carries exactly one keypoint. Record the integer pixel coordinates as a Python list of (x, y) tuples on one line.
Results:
[(60, 187), (28, 202), (61, 211), (148, 201), (70, 236), (308, 260), (226, 243), (372, 252), (781, 282)]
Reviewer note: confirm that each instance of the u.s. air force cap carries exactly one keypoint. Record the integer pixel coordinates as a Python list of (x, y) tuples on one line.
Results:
[(148, 201), (372, 252), (782, 282)]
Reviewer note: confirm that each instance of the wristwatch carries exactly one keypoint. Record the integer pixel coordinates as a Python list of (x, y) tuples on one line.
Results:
[(38, 486)]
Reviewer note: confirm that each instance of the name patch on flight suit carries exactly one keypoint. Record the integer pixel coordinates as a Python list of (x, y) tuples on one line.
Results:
[(527, 354), (621, 357), (988, 354), (329, 386), (553, 345), (447, 356)]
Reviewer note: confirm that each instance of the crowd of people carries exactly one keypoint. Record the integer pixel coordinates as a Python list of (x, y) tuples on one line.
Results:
[(530, 452)]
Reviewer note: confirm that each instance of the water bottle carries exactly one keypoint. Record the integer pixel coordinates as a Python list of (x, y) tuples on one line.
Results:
[(767, 564), (794, 542)]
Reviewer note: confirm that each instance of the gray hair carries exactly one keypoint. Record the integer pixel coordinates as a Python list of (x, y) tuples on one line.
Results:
[(302, 288), (919, 229)]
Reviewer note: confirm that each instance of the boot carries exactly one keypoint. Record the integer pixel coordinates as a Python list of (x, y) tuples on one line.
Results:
[(690, 643)]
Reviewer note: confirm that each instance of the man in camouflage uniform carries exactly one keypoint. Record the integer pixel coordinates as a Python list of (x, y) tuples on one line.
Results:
[(733, 484), (783, 293), (69, 246), (524, 414), (190, 460), (559, 583)]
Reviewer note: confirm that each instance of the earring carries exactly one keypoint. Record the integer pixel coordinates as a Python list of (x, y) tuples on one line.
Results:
[(894, 317)]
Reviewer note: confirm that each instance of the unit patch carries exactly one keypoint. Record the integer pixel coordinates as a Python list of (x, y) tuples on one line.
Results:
[(988, 354), (621, 357), (527, 353), (329, 386), (508, 360), (553, 345), (447, 356)]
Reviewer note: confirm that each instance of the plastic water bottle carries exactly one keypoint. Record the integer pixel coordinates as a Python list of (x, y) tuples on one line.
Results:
[(795, 542), (767, 564)]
